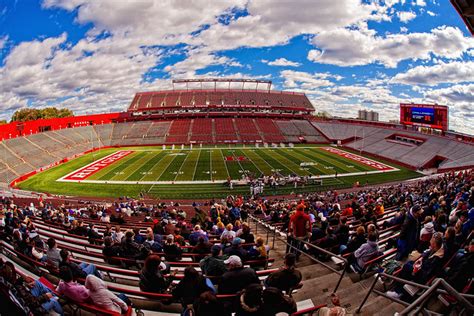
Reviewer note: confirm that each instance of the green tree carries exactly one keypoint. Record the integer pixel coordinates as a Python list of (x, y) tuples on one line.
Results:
[(3, 122), (27, 114)]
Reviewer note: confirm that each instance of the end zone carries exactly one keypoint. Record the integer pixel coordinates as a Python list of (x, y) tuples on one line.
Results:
[(363, 160), (94, 167)]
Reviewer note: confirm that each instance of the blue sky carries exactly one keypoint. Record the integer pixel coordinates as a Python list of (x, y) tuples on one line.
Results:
[(92, 56)]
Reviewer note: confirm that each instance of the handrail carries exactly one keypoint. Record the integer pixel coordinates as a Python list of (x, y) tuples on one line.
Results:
[(325, 251), (429, 289), (418, 304)]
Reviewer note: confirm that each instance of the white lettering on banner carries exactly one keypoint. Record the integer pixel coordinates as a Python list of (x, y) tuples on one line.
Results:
[(87, 171), (363, 160)]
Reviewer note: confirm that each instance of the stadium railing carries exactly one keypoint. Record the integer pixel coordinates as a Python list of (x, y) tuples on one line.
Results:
[(439, 286)]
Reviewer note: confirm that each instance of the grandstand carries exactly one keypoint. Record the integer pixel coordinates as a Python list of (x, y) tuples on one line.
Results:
[(225, 122)]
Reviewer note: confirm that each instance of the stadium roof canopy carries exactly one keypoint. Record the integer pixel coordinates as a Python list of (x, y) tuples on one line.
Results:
[(465, 9)]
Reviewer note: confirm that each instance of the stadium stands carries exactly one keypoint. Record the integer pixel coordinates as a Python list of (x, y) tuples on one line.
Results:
[(341, 225)]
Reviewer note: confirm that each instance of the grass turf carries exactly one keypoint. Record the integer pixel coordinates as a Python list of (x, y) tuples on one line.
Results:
[(211, 164)]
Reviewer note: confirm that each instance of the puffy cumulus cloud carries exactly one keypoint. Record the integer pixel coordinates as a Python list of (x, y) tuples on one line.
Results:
[(421, 3), (460, 99), (281, 62), (306, 81), (454, 72), (40, 73), (198, 60), (455, 94), (270, 23), (406, 16), (345, 47), (147, 22)]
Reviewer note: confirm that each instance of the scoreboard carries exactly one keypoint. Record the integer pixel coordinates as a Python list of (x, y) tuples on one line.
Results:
[(424, 115)]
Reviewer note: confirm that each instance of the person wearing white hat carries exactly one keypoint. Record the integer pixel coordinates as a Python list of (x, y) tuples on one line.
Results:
[(238, 277)]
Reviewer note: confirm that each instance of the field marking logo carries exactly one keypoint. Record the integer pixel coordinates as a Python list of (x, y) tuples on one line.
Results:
[(85, 172), (366, 161)]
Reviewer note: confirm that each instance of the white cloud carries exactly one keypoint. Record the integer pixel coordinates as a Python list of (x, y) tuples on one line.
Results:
[(406, 16), (420, 3), (454, 72), (198, 60), (403, 29), (3, 41), (431, 13), (307, 81), (271, 23), (345, 47), (455, 94), (281, 62)]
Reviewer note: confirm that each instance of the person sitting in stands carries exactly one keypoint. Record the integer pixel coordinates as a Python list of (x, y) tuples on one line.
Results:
[(260, 250), (69, 288), (245, 234), (104, 298), (236, 249), (287, 278), (250, 301), (37, 251), (203, 247), (118, 234), (237, 278), (130, 249), (53, 255), (450, 245), (367, 251), (110, 249), (48, 300), (93, 235), (196, 235), (151, 277), (209, 305), (275, 302), (461, 270), (171, 249), (355, 242), (425, 234), (420, 271), (78, 271), (139, 238), (190, 287), (214, 265), (228, 233)]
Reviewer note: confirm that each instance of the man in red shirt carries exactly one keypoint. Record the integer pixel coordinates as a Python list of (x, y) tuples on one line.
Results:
[(299, 229)]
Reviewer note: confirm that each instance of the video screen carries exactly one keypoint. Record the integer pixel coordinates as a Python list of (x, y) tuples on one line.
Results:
[(423, 115)]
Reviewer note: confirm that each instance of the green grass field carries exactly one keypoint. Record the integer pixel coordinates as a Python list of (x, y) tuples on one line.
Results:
[(200, 172)]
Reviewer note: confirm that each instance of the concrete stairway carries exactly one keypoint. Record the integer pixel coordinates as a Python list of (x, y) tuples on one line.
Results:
[(319, 282)]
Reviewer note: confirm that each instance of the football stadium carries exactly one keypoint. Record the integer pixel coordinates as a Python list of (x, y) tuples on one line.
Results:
[(208, 194)]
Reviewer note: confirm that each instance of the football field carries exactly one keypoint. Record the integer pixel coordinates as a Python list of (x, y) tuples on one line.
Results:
[(158, 166), (201, 172)]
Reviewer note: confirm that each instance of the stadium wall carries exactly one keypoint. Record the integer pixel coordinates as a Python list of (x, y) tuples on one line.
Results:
[(16, 129)]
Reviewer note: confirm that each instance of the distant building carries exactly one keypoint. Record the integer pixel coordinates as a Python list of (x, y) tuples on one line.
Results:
[(368, 115)]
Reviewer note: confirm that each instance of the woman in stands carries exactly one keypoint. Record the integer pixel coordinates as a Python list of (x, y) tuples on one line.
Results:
[(71, 289), (151, 277), (367, 251), (171, 249), (191, 287), (428, 265), (104, 298), (355, 242)]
